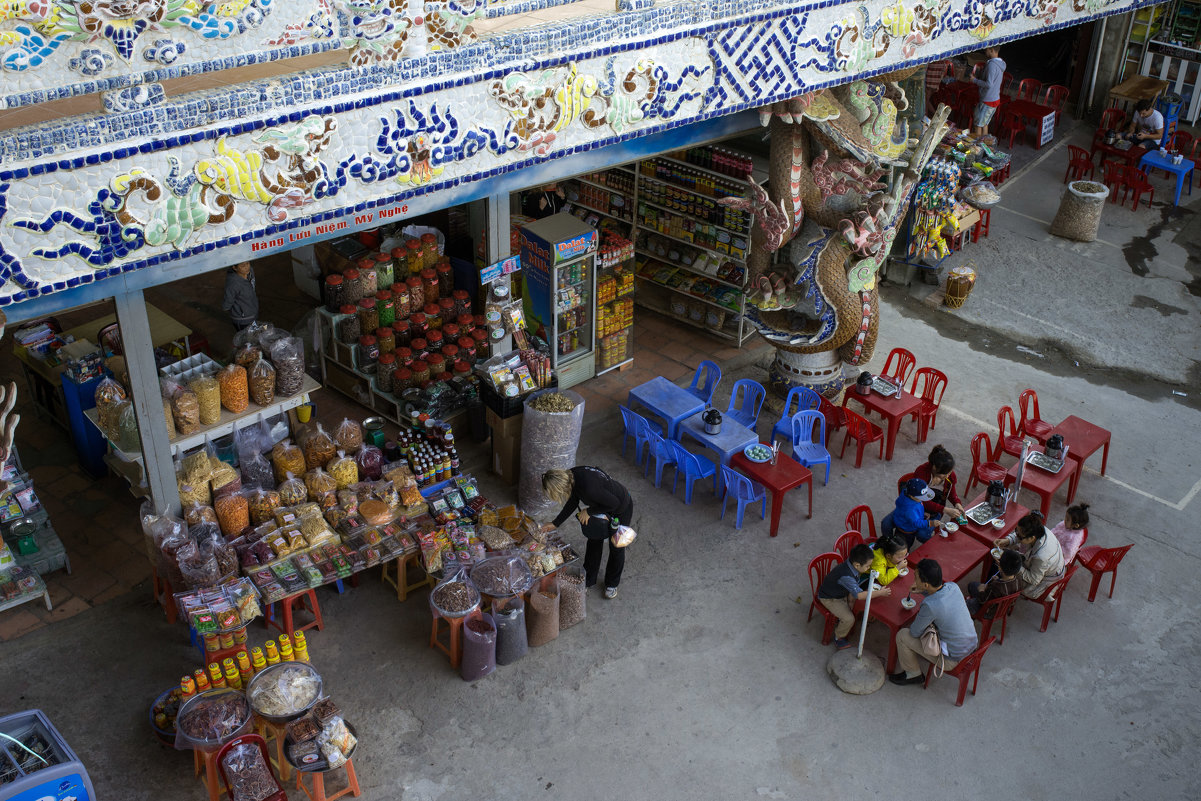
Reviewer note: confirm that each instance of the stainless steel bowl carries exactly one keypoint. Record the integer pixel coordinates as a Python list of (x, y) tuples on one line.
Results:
[(266, 678)]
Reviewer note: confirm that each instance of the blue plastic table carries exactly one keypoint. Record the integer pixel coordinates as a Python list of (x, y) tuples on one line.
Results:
[(1182, 170), (733, 438), (666, 400)]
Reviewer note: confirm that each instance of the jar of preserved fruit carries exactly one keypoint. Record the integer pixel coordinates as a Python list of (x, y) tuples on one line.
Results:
[(385, 307), (386, 339), (421, 372), (352, 290), (402, 379), (466, 349), (433, 315), (417, 324), (450, 353), (349, 329), (331, 292), (368, 353), (429, 245), (420, 349), (416, 293), (429, 285), (404, 355), (401, 329), (462, 299), (447, 306), (433, 340), (368, 280), (400, 300), (436, 362), (414, 261), (384, 271), (446, 279), (368, 316), (450, 332), (384, 371)]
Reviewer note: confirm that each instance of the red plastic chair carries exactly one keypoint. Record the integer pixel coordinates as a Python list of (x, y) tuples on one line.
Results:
[(835, 419), (1136, 181), (982, 471), (967, 668), (1111, 120), (1009, 436), (1052, 597), (819, 567), (855, 521), (929, 384), (1195, 157), (1013, 126), (253, 740), (903, 480), (1181, 142), (845, 542), (1032, 422), (991, 611), (1056, 97), (1115, 178), (904, 364), (1079, 161), (863, 432), (1007, 84), (1099, 561), (1029, 89)]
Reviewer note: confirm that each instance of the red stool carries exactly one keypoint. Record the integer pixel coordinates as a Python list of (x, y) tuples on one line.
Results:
[(275, 732), (318, 781), (982, 225), (307, 601), (453, 647), (207, 761), (999, 177), (402, 567)]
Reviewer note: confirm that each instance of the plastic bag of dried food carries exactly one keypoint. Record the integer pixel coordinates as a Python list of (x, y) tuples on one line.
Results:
[(199, 569), (235, 395), (262, 382), (233, 513), (108, 392), (208, 394), (502, 576), (370, 460), (573, 596), (120, 425), (344, 470), (456, 594), (185, 407), (511, 638), (249, 441), (251, 334), (1079, 214), (981, 194), (288, 357), (548, 442), (158, 528), (287, 458), (195, 514), (247, 354), (250, 779), (479, 648), (349, 435), (319, 483), (543, 613), (256, 471), (292, 491), (318, 448), (262, 504)]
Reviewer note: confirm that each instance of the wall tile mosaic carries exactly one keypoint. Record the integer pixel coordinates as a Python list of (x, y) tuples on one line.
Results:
[(308, 153)]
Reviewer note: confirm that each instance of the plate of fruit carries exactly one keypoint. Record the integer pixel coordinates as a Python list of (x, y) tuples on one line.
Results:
[(757, 453)]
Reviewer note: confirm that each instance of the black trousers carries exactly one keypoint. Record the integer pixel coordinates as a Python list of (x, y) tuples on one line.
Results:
[(597, 533)]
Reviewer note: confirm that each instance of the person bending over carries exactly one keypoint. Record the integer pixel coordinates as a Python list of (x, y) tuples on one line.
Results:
[(606, 502), (1003, 582), (939, 474), (889, 558), (1146, 126)]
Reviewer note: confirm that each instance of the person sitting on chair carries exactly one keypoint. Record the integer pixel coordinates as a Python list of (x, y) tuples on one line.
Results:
[(1003, 582), (939, 474), (1146, 126), (945, 608), (1042, 562), (889, 558), (840, 590), (908, 519)]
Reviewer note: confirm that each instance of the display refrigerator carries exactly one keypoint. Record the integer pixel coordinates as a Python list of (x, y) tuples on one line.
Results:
[(36, 764), (558, 268)]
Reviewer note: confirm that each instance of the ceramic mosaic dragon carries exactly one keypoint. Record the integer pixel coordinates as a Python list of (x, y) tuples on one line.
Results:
[(835, 217)]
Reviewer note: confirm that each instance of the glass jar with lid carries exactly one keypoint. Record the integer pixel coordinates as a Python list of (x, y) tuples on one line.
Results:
[(400, 300), (462, 299), (385, 307), (429, 285), (352, 290), (402, 379), (447, 307), (421, 372), (386, 339), (433, 315), (450, 332), (349, 329), (384, 371), (401, 329), (446, 281), (434, 340), (331, 292), (466, 348), (414, 260), (417, 324), (368, 281), (436, 362), (384, 271), (368, 316), (416, 293), (420, 349), (429, 249), (368, 353), (404, 355), (450, 353)]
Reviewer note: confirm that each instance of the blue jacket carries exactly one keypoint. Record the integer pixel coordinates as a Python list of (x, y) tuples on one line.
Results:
[(910, 515)]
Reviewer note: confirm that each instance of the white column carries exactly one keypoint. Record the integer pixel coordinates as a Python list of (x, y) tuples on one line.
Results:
[(147, 400)]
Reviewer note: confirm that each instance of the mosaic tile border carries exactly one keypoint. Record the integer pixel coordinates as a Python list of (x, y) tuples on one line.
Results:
[(70, 222)]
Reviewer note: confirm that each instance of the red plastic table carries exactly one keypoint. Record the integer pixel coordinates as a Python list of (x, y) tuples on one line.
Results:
[(1043, 483), (987, 534), (957, 554), (780, 477), (1083, 439), (891, 408), (1034, 112)]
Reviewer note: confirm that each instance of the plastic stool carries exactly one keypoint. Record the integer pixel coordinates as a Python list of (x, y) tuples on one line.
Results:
[(999, 177), (982, 225), (318, 791), (308, 601), (207, 761), (400, 581), (276, 732), (454, 645), (164, 595)]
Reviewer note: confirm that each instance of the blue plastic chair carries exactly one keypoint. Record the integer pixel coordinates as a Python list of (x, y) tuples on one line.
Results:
[(745, 491), (661, 451), (745, 402), (630, 418), (799, 399), (807, 449), (692, 466), (705, 380)]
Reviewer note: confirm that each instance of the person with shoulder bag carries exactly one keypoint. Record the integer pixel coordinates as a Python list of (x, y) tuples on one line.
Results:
[(942, 632)]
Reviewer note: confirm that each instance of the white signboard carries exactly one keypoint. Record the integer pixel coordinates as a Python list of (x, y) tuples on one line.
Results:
[(1048, 129)]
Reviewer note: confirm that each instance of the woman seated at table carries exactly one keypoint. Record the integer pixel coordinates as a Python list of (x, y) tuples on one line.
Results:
[(888, 558), (908, 518), (1042, 556), (939, 474)]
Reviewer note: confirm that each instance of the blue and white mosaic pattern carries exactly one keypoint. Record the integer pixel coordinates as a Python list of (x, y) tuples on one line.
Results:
[(308, 156)]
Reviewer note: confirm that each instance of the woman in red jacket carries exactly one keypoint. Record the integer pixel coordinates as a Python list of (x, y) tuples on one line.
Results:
[(939, 474)]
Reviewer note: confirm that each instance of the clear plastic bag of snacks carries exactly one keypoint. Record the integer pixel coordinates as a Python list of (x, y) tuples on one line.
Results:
[(235, 395), (318, 448), (208, 394), (349, 435), (287, 458), (262, 382)]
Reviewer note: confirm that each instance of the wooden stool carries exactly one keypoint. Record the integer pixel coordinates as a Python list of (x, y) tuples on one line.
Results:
[(454, 646), (207, 761), (276, 731), (308, 601), (318, 791), (400, 581), (164, 594)]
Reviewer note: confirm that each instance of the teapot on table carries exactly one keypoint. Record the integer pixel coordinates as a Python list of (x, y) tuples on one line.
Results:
[(995, 495), (1054, 447), (712, 420)]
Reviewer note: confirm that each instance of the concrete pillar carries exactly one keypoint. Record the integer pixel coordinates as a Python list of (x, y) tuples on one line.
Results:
[(147, 400)]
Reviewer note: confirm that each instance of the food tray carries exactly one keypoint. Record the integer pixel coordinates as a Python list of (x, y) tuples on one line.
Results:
[(981, 514), (321, 765), (191, 367), (747, 453), (884, 386), (1043, 462)]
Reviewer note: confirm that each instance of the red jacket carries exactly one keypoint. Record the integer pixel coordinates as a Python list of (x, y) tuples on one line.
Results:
[(935, 507)]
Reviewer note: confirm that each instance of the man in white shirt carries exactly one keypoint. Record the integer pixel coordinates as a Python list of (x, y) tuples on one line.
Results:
[(1146, 127)]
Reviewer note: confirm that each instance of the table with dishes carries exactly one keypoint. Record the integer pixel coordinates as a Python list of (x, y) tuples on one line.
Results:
[(1044, 482), (1154, 160), (892, 408), (779, 475), (731, 437)]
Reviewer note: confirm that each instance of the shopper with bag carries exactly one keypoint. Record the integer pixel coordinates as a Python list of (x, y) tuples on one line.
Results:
[(601, 504), (953, 634)]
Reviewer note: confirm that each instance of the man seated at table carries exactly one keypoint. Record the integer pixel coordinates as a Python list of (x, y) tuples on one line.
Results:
[(840, 590), (1146, 126), (1042, 555), (943, 606), (908, 518)]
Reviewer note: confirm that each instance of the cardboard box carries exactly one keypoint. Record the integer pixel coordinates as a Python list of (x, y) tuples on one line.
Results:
[(504, 427), (506, 457)]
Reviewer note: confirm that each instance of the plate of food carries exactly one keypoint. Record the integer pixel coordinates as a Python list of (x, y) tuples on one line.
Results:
[(758, 452), (996, 553), (1043, 462), (950, 527), (981, 514), (908, 603)]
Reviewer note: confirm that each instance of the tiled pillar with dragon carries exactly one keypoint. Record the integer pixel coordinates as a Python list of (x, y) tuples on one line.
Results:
[(842, 172)]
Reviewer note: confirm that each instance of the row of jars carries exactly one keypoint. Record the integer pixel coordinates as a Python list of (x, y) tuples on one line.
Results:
[(413, 292), (371, 347), (351, 323), (382, 270)]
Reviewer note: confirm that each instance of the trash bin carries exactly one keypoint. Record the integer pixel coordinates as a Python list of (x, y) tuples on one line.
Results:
[(1079, 214)]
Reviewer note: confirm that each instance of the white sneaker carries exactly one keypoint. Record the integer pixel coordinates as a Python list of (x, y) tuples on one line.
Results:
[(610, 593)]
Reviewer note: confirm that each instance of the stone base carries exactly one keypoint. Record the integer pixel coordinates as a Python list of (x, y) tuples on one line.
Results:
[(854, 675), (821, 372)]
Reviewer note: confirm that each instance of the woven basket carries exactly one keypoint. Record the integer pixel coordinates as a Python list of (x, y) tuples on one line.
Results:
[(959, 286)]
